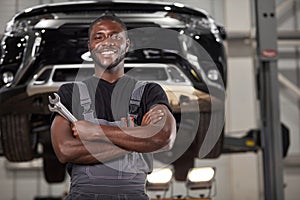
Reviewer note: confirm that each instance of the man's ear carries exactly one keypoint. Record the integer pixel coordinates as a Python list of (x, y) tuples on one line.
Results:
[(127, 45)]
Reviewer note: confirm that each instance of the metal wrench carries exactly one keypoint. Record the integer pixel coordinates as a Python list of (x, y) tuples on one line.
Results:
[(58, 107)]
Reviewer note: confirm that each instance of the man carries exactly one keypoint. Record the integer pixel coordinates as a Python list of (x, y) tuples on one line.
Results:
[(108, 157)]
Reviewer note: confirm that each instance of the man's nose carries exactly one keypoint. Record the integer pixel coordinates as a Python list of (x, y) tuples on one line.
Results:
[(109, 41)]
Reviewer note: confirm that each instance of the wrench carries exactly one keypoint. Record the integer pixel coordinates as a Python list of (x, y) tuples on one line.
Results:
[(58, 107)]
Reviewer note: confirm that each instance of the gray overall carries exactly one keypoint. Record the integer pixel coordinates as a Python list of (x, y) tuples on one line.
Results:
[(119, 179)]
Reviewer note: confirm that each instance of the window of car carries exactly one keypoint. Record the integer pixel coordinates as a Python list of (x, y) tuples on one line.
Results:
[(147, 73), (176, 76)]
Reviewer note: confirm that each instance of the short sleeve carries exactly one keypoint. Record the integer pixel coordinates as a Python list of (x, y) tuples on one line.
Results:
[(154, 94), (65, 93)]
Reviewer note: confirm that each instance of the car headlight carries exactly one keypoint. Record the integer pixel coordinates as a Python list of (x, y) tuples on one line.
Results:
[(204, 26), (7, 77), (18, 27), (213, 74)]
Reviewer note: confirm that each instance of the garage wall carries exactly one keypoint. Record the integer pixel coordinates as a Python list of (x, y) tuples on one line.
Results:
[(242, 115), (289, 67), (288, 64), (26, 184), (7, 8)]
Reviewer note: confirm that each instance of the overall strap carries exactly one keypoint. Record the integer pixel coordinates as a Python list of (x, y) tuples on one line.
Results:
[(85, 101), (134, 104), (136, 97)]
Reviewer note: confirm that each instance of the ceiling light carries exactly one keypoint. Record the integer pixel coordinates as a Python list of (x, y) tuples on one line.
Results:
[(200, 178), (159, 179)]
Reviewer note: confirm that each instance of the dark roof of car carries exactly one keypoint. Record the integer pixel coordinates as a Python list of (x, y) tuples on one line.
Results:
[(116, 6)]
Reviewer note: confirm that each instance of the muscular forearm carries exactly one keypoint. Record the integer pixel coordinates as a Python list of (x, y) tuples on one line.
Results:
[(127, 138), (87, 152), (140, 139), (71, 149), (95, 152)]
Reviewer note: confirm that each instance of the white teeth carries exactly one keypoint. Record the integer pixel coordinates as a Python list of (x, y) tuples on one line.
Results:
[(107, 52)]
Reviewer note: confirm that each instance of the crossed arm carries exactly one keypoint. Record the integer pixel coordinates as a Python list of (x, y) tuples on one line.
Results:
[(86, 142)]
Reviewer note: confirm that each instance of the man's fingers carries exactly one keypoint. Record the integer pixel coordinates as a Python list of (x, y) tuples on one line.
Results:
[(75, 133), (74, 130), (156, 116), (124, 121), (156, 120), (153, 116)]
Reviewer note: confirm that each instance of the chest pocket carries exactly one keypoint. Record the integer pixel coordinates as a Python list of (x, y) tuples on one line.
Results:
[(128, 166)]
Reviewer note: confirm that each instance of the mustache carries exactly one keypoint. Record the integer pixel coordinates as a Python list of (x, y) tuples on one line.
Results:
[(102, 48)]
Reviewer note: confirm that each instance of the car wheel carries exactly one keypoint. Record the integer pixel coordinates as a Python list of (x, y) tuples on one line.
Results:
[(16, 137), (54, 171), (216, 151)]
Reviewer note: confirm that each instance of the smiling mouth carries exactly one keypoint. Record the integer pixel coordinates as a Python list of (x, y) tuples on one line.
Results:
[(108, 52)]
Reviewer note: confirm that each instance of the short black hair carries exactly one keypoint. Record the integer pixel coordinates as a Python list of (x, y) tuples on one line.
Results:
[(108, 16)]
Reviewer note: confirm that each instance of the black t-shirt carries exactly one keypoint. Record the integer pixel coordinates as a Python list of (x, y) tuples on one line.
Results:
[(110, 101)]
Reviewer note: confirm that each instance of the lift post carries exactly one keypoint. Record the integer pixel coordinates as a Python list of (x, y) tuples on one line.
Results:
[(266, 38)]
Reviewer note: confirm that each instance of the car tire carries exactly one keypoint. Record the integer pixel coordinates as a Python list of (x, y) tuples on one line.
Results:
[(186, 161), (216, 150), (54, 171), (16, 137)]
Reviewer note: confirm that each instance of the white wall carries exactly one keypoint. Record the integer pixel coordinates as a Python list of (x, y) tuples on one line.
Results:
[(7, 9), (290, 104), (27, 184), (241, 113)]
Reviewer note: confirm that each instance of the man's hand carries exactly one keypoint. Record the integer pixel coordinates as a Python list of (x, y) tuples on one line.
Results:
[(152, 116), (85, 130), (70, 149)]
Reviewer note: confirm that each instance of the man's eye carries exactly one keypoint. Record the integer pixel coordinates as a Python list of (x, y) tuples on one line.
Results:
[(116, 37), (99, 37)]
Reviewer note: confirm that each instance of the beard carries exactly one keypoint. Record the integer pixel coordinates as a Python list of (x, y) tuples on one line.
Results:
[(96, 58)]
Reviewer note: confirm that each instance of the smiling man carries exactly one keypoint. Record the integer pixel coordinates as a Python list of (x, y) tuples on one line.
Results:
[(121, 122), (108, 44)]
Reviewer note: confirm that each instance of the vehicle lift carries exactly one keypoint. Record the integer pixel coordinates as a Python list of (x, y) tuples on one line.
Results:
[(270, 131), (268, 94)]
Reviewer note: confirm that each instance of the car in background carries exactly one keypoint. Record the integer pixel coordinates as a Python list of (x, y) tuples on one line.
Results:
[(45, 46)]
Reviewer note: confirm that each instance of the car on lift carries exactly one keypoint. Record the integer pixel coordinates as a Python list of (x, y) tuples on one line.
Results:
[(45, 46)]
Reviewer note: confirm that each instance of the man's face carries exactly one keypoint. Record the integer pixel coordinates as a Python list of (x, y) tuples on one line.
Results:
[(108, 44)]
